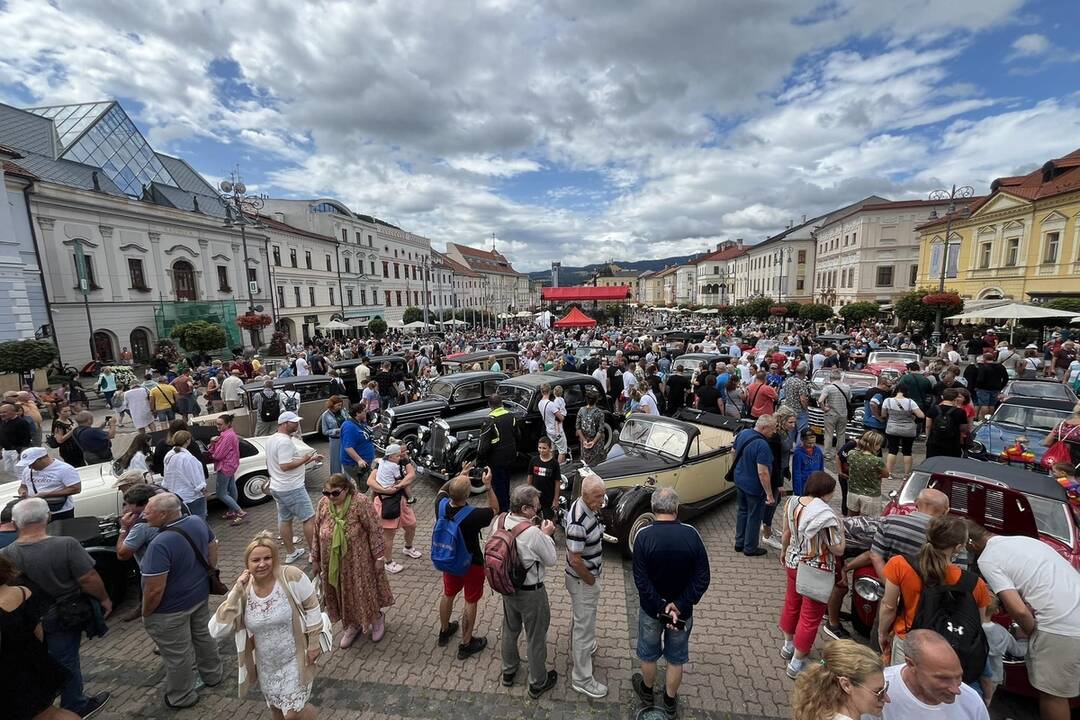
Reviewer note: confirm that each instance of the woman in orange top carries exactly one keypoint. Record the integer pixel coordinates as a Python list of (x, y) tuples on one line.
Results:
[(945, 539)]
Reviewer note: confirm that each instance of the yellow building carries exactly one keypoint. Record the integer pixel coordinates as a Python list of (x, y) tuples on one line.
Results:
[(1021, 242)]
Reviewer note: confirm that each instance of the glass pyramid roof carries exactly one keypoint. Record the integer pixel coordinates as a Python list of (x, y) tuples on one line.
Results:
[(102, 135)]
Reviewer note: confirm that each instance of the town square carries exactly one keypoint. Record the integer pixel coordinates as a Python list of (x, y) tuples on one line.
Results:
[(505, 360)]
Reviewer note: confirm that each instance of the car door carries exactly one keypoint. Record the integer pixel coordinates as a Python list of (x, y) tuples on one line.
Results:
[(702, 475), (574, 397), (313, 397), (468, 396)]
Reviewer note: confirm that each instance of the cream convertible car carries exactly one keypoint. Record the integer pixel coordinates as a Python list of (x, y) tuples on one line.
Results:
[(100, 498)]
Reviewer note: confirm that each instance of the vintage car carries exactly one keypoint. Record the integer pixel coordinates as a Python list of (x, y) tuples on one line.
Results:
[(1018, 416), (690, 362), (447, 395), (889, 363), (509, 362), (690, 453), (449, 442), (313, 390), (1042, 389), (858, 382), (764, 347), (346, 369), (1007, 501)]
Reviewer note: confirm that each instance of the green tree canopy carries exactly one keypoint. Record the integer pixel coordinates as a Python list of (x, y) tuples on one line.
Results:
[(857, 312), (412, 314), (200, 336), (377, 327), (23, 356), (910, 307), (759, 307), (1068, 304), (815, 312)]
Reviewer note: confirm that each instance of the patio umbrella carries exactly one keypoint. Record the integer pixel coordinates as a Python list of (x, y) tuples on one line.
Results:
[(1014, 312), (336, 325), (524, 314), (707, 311)]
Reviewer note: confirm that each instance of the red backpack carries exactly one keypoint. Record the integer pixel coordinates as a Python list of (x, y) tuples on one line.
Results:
[(502, 567)]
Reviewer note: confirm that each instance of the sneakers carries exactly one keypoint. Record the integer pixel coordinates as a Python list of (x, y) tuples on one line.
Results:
[(772, 542), (238, 518), (94, 705), (413, 553), (444, 637), (378, 628), (645, 694), (836, 632), (394, 568), (294, 556), (794, 668), (671, 706), (348, 637), (535, 691), (593, 689), (787, 652), (475, 645), (508, 678), (756, 552)]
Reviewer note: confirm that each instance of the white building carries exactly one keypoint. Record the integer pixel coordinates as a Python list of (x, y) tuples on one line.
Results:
[(21, 288), (505, 289), (780, 267), (715, 274)]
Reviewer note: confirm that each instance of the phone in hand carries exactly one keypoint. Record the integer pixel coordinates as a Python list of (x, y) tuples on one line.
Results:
[(667, 619)]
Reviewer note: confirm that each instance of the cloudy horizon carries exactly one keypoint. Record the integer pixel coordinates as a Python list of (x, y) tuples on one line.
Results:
[(577, 132)]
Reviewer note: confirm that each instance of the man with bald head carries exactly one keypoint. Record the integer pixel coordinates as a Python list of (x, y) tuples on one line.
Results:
[(584, 561), (906, 534), (930, 683)]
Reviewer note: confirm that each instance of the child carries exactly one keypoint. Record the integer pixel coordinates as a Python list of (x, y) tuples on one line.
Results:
[(842, 473), (389, 470), (806, 459), (1001, 642), (370, 395)]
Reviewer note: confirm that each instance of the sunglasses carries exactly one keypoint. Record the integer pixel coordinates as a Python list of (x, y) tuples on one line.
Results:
[(878, 694), (332, 493)]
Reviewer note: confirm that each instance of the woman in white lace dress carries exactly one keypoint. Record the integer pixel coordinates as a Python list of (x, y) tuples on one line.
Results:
[(273, 613)]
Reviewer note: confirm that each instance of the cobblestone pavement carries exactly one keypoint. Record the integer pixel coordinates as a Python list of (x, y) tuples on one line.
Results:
[(735, 671)]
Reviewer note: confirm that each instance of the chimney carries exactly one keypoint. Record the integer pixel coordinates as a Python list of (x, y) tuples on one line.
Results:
[(738, 241), (279, 216), (804, 218)]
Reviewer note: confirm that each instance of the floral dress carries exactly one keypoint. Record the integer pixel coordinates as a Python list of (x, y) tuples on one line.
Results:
[(270, 622), (590, 421)]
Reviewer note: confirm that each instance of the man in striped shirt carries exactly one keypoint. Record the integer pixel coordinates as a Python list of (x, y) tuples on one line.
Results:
[(584, 560), (906, 534)]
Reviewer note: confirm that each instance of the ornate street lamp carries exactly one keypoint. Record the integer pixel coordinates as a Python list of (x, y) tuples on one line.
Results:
[(964, 191), (242, 210)]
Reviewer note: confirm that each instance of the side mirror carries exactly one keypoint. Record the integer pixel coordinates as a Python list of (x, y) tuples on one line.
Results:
[(986, 416)]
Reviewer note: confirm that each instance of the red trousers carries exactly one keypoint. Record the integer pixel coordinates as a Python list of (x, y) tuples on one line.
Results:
[(800, 616)]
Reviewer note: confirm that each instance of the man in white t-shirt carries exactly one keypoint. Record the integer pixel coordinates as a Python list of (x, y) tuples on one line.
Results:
[(1026, 572), (287, 469), (49, 479), (554, 412), (931, 683), (600, 374), (302, 368), (648, 404)]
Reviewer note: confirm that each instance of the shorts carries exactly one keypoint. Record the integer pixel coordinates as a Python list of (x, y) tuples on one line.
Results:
[(1053, 664), (293, 505), (986, 398), (675, 646), (896, 444), (357, 474), (559, 441), (864, 504), (405, 520), (472, 582), (165, 415)]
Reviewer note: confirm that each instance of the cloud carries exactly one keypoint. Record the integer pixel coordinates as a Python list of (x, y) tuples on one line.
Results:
[(493, 166), (1030, 45)]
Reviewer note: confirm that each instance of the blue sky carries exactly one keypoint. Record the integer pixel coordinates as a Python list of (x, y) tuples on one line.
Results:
[(574, 132)]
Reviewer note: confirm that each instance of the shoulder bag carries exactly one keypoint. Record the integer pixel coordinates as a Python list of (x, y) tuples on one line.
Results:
[(391, 505), (213, 575), (56, 504), (812, 582), (730, 474), (1059, 452)]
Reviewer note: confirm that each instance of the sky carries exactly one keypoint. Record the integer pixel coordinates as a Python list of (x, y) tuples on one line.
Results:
[(572, 131)]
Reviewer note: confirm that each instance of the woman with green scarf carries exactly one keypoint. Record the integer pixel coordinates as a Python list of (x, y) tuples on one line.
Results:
[(348, 553)]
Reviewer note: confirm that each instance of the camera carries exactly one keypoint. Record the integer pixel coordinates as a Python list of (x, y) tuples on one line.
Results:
[(476, 473), (667, 619)]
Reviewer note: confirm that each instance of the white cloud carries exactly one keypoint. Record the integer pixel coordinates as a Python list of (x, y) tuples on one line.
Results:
[(1030, 45), (493, 166)]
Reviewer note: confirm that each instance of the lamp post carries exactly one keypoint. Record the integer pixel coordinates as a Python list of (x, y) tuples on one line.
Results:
[(964, 191), (242, 210)]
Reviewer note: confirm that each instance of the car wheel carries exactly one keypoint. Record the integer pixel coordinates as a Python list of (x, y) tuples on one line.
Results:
[(641, 521), (609, 436), (410, 441), (253, 489)]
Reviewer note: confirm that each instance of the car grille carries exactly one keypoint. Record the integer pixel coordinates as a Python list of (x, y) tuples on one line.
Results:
[(437, 443)]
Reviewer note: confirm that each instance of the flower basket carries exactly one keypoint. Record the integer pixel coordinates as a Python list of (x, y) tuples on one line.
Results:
[(253, 322), (778, 310), (943, 300)]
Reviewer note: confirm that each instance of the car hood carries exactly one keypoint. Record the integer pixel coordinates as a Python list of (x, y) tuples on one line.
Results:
[(426, 406), (474, 418), (995, 437), (625, 460)]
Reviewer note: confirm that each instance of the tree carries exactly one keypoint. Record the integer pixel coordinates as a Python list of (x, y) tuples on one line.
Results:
[(1068, 304), (759, 307), (910, 307), (793, 308), (377, 327), (815, 312), (277, 343), (167, 349), (412, 314), (200, 336), (25, 356), (857, 312)]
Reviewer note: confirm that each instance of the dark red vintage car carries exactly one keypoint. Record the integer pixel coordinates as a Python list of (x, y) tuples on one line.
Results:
[(890, 363), (1007, 501)]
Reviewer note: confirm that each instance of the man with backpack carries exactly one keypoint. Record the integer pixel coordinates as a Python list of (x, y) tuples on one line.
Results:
[(456, 552), (516, 558), (267, 408), (946, 424)]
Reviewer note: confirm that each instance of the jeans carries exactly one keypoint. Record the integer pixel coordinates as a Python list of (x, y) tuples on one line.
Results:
[(748, 520), (583, 602), (186, 646), (197, 506), (802, 420), (769, 512), (800, 615), (526, 609), (108, 397), (335, 455), (226, 491), (500, 485), (63, 646)]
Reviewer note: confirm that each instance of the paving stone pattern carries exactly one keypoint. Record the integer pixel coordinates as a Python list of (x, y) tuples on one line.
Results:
[(735, 671)]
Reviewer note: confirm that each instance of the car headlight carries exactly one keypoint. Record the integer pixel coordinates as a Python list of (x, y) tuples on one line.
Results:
[(564, 484), (869, 588), (977, 447), (423, 432), (451, 442), (389, 415)]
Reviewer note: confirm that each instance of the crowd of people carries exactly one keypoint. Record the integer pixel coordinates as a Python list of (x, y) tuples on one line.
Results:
[(280, 611)]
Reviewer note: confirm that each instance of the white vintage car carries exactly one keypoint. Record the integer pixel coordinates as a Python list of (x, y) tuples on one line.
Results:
[(100, 498)]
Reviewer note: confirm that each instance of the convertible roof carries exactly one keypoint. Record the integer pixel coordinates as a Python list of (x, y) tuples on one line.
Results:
[(1063, 405), (463, 377), (480, 355), (537, 379), (1025, 481)]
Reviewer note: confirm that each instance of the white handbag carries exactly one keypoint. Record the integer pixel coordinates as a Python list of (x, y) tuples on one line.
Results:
[(326, 633), (814, 583)]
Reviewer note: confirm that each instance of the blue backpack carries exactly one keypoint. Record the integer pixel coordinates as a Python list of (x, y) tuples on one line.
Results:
[(448, 550)]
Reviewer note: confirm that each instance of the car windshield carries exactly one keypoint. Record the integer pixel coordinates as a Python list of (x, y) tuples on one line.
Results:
[(655, 436), (766, 344), (892, 357), (1052, 390), (440, 389), (688, 363), (852, 379), (1029, 417), (1051, 516), (515, 394)]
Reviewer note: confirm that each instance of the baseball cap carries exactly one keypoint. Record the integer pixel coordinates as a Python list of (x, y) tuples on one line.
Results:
[(288, 416), (807, 432), (394, 449), (30, 456)]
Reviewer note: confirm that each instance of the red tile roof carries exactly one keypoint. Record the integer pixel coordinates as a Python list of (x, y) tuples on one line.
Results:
[(458, 268), (485, 260), (586, 292), (903, 204), (729, 253)]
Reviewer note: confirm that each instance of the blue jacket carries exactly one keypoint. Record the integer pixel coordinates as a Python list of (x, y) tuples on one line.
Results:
[(802, 465), (746, 472)]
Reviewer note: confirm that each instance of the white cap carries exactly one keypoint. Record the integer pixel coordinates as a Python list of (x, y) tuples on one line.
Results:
[(394, 449), (288, 416), (30, 456)]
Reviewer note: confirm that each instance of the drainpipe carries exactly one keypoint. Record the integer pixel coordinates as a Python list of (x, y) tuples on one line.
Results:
[(41, 269)]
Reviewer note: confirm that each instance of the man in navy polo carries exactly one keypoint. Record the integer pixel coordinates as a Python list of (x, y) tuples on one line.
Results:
[(753, 484)]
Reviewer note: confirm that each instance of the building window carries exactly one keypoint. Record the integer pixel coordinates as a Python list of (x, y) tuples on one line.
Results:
[(296, 294), (802, 257), (349, 297), (799, 284), (222, 278), (387, 298), (311, 295), (251, 276), (344, 234), (348, 265), (397, 271), (985, 250), (370, 243), (1012, 252), (913, 275), (1050, 254), (884, 275), (135, 271), (363, 297), (332, 296), (292, 257), (360, 267), (91, 281), (277, 256), (398, 294), (307, 259), (329, 265), (281, 296), (385, 269), (852, 238), (415, 297)]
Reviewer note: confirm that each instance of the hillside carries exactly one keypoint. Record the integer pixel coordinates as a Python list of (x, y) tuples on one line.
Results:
[(577, 275)]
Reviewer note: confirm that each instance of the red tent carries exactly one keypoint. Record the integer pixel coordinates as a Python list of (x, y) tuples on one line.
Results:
[(575, 319)]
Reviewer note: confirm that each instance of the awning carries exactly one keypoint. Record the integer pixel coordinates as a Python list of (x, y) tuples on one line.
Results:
[(336, 325), (586, 292), (575, 319), (358, 323)]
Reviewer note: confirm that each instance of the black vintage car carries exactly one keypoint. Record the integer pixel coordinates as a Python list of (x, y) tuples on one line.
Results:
[(347, 370), (99, 536), (447, 395), (450, 442), (508, 362)]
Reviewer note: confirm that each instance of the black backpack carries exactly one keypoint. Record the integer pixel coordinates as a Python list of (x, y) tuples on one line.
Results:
[(951, 611), (944, 431), (270, 407)]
